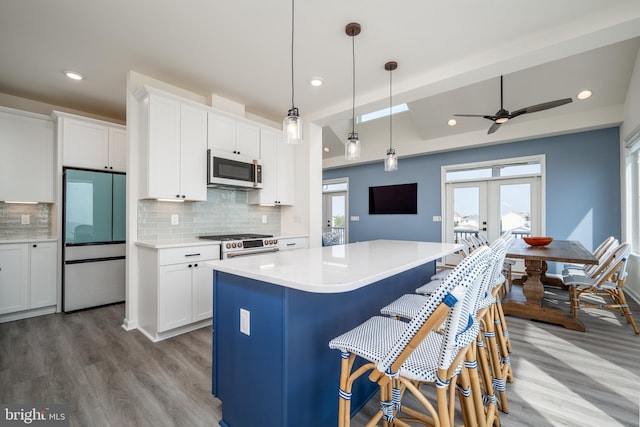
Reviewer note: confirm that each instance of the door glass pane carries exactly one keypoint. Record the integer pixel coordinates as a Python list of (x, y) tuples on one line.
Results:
[(515, 209), (87, 207), (466, 212), (338, 215)]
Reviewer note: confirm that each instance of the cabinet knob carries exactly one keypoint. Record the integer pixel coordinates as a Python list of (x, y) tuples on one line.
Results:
[(106, 167), (183, 196), (178, 196), (35, 246), (190, 265), (110, 167), (195, 265)]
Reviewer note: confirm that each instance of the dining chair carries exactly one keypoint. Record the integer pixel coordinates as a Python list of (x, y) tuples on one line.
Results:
[(430, 348), (607, 283), (600, 253)]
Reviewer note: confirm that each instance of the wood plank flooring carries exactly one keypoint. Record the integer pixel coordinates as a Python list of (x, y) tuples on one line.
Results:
[(111, 377)]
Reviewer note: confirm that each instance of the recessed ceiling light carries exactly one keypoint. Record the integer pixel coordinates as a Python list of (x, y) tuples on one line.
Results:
[(585, 94), (73, 75), (452, 122), (316, 81), (326, 149)]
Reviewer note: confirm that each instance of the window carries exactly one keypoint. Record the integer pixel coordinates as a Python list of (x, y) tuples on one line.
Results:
[(500, 169), (382, 113)]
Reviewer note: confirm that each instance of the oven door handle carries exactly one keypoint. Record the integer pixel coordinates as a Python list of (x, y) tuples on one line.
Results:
[(264, 251)]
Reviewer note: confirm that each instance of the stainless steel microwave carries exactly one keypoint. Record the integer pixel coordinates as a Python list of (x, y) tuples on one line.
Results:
[(233, 170)]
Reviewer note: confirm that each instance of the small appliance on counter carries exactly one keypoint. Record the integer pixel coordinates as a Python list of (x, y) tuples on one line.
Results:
[(243, 244)]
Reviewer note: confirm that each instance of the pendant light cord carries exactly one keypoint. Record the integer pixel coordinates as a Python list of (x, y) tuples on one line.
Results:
[(292, 33), (353, 98), (390, 112)]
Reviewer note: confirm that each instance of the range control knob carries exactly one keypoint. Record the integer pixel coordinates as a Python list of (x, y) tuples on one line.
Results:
[(239, 243), (228, 245), (275, 242)]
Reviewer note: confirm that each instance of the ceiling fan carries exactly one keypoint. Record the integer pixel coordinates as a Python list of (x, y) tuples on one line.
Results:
[(502, 116)]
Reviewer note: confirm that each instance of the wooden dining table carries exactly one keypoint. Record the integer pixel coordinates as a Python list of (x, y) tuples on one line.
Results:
[(528, 301)]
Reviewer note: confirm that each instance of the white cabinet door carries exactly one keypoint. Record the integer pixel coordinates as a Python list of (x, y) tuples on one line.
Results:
[(285, 172), (163, 148), (14, 278), (233, 136), (27, 157), (43, 263), (117, 150), (84, 144), (248, 140), (193, 153), (174, 296), (277, 170), (174, 148), (202, 292), (221, 133)]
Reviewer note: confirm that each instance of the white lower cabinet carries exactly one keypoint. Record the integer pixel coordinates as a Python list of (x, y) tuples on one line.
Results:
[(28, 277), (176, 289)]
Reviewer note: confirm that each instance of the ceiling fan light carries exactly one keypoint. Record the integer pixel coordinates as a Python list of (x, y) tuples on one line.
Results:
[(502, 120), (452, 122), (585, 94), (352, 149)]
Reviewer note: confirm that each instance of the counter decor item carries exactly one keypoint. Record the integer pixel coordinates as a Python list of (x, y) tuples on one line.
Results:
[(537, 241)]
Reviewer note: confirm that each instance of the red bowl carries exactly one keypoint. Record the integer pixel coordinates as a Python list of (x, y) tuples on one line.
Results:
[(538, 241)]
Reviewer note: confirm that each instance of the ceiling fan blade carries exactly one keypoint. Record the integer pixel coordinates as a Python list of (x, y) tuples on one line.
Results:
[(494, 127), (541, 107), (492, 118)]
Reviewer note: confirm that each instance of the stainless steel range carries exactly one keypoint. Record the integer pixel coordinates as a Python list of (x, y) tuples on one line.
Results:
[(242, 244)]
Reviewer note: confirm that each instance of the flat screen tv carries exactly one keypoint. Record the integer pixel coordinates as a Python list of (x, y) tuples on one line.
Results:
[(393, 199)]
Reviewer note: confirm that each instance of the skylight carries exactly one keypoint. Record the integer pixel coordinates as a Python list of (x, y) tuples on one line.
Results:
[(382, 113)]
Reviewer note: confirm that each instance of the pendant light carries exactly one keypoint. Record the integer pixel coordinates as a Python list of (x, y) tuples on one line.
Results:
[(352, 148), (292, 125), (391, 161)]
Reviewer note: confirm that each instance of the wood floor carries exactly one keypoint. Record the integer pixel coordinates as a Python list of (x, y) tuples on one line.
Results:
[(111, 377)]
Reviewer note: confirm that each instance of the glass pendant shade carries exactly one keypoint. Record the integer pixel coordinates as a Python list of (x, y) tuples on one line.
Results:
[(292, 126), (391, 161), (352, 149)]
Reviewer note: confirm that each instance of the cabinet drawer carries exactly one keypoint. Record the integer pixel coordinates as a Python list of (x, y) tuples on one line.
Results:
[(188, 254), (295, 243)]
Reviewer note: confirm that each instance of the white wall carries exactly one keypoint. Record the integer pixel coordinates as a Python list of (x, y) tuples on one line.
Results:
[(630, 124)]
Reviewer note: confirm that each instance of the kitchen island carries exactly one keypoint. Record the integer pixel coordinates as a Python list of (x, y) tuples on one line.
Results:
[(274, 315)]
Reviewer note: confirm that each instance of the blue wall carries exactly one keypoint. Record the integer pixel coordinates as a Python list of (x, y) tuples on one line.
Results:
[(583, 188)]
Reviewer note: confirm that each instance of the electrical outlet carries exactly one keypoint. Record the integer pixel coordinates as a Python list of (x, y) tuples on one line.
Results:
[(437, 218), (245, 321), (26, 219), (264, 219), (355, 218), (175, 219)]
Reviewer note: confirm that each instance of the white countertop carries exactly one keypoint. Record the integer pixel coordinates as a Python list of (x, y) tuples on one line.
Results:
[(335, 269), (29, 240), (175, 243)]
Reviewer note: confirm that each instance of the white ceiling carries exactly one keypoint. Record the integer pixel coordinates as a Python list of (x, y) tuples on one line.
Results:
[(450, 54)]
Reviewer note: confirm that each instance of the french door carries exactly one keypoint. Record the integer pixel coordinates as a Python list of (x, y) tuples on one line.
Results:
[(492, 206)]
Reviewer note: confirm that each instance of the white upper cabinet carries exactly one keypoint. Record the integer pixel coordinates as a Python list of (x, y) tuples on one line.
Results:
[(27, 159), (173, 148), (233, 135), (277, 170), (92, 144)]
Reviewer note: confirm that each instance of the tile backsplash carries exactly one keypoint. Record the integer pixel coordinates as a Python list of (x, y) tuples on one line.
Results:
[(41, 218), (225, 211)]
